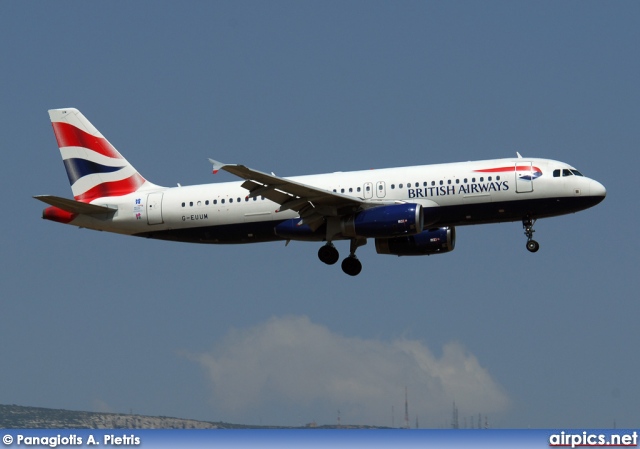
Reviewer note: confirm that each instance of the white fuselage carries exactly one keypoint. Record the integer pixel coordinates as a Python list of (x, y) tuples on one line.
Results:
[(452, 194)]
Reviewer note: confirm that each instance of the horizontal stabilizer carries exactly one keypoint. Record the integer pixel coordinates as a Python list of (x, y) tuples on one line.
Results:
[(75, 207)]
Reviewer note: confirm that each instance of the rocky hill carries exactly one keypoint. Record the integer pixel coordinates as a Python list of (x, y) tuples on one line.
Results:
[(19, 417)]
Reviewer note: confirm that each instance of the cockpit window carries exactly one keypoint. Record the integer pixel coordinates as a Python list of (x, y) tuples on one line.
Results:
[(566, 172)]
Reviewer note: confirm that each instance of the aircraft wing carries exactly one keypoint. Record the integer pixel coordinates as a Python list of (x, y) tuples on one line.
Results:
[(312, 203)]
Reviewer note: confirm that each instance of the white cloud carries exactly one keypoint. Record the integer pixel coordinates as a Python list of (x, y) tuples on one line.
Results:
[(290, 371)]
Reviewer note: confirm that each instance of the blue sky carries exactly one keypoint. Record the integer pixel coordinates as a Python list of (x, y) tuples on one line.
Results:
[(266, 334)]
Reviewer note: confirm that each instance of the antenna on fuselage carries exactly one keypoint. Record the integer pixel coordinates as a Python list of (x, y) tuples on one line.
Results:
[(519, 156)]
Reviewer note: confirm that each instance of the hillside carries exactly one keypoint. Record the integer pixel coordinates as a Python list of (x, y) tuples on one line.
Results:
[(20, 417)]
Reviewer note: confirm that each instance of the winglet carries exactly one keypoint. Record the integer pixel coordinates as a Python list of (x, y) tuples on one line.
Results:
[(216, 166)]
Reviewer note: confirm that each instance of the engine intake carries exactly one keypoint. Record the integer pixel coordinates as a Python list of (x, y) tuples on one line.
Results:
[(432, 241), (385, 221)]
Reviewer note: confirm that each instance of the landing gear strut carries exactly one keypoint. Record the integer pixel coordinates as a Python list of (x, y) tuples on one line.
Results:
[(351, 265), (527, 224)]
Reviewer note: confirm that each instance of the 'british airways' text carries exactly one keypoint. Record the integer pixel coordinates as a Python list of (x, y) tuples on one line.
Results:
[(464, 189)]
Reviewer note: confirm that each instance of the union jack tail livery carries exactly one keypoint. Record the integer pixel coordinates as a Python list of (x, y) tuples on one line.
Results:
[(94, 167)]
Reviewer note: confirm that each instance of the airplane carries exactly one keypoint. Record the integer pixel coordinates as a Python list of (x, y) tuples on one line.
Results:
[(408, 211)]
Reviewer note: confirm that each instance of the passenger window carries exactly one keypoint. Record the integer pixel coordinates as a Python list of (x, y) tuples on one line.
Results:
[(481, 178), (190, 203), (448, 181), (231, 200), (400, 186), (199, 203), (206, 203), (183, 204), (222, 201), (489, 178), (350, 189), (497, 178), (424, 184), (215, 201), (393, 186), (433, 183), (441, 182), (457, 181)]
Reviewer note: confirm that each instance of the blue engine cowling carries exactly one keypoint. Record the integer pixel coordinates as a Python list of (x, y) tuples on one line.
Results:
[(432, 241), (385, 221), (293, 230)]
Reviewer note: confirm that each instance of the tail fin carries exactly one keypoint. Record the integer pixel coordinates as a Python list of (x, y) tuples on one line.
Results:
[(94, 167)]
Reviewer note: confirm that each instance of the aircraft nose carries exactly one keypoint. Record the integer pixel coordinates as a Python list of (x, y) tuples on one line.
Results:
[(597, 189)]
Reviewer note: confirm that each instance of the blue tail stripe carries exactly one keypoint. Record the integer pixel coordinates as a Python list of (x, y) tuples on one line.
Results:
[(77, 168)]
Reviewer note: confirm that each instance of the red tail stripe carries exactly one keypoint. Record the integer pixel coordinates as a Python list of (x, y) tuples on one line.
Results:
[(508, 169), (114, 188), (70, 136)]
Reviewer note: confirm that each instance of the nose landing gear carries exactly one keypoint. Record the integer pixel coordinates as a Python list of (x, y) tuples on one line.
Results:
[(527, 224)]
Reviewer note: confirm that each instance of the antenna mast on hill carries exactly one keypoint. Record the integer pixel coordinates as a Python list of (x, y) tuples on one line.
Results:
[(406, 409), (454, 420)]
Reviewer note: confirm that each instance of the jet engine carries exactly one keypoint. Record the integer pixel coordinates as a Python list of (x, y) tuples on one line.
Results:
[(385, 221), (431, 241)]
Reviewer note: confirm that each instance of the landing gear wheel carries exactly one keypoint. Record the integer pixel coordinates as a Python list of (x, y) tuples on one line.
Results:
[(351, 266), (328, 254), (533, 246)]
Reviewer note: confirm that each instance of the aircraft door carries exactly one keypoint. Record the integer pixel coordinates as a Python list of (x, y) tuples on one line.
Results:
[(381, 190), (524, 177), (154, 208), (368, 190)]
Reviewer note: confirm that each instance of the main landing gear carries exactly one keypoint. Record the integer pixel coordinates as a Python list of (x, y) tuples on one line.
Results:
[(350, 265), (328, 254), (527, 224)]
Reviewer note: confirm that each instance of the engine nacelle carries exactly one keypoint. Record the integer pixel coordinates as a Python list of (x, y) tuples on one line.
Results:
[(432, 241), (385, 221)]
